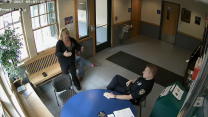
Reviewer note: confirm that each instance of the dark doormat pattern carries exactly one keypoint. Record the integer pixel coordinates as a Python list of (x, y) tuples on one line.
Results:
[(137, 65)]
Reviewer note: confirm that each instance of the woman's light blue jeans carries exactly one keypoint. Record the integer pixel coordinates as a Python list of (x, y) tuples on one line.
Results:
[(79, 60)]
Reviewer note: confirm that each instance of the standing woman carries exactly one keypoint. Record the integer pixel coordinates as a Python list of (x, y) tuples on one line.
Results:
[(65, 52)]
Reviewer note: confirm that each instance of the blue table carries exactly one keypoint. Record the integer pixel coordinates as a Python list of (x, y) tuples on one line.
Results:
[(88, 103)]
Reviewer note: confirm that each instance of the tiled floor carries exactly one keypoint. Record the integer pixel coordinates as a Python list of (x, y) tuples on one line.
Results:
[(154, 51)]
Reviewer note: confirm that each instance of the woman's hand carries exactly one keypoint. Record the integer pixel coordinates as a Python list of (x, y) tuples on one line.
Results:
[(67, 54), (129, 82), (82, 49)]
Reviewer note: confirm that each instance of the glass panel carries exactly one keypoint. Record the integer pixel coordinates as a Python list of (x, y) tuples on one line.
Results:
[(35, 22), (1, 22), (7, 19), (23, 49), (51, 18), (101, 19), (45, 38), (16, 16), (101, 12), (82, 13), (34, 10), (168, 13), (50, 6), (101, 35), (42, 8), (43, 20), (18, 28), (1, 31)]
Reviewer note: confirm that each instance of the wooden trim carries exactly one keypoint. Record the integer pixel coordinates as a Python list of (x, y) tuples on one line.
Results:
[(92, 22), (150, 23), (43, 14), (54, 5), (112, 21), (43, 26), (5, 109), (8, 95), (189, 35), (41, 52), (122, 22), (76, 19), (84, 39)]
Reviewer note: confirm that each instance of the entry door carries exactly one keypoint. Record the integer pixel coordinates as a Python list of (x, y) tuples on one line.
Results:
[(102, 21), (169, 21)]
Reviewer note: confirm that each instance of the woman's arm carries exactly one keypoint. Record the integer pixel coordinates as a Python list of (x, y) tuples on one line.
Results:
[(58, 51), (77, 45)]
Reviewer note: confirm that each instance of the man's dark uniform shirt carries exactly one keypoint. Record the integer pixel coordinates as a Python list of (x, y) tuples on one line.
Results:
[(141, 87)]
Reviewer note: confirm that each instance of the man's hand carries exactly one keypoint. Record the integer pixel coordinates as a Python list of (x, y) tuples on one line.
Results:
[(67, 54), (82, 49), (108, 95), (129, 82)]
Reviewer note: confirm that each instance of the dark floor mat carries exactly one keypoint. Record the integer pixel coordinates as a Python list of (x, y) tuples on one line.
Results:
[(136, 65)]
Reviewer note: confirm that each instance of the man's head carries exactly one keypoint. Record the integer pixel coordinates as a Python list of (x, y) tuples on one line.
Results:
[(149, 72)]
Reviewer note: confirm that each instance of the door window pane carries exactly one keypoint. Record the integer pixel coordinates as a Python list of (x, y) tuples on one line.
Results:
[(7, 19), (101, 35), (34, 10), (45, 37), (50, 6), (35, 22), (1, 22), (16, 16), (42, 8), (101, 20), (23, 49), (43, 20), (51, 18), (82, 13), (18, 28), (1, 31)]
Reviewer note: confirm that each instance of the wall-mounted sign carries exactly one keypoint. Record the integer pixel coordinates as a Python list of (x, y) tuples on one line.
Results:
[(129, 9), (197, 20), (69, 23), (158, 11), (185, 15)]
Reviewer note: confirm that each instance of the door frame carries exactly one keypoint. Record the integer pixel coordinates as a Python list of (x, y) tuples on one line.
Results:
[(108, 44), (161, 16)]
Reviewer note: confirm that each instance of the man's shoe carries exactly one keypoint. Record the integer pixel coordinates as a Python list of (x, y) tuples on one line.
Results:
[(78, 87)]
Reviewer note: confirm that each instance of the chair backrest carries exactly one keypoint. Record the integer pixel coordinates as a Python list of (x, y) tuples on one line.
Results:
[(139, 101), (62, 82)]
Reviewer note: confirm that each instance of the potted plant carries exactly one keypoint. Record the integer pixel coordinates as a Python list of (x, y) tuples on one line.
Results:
[(10, 45)]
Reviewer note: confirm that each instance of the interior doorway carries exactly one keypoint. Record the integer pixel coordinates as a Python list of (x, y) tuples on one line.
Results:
[(169, 22)]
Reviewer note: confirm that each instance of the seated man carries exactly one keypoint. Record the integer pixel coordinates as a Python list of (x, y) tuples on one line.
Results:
[(79, 60), (132, 89)]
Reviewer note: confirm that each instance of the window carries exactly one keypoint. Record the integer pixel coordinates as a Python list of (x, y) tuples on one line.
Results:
[(82, 13), (14, 21), (44, 25)]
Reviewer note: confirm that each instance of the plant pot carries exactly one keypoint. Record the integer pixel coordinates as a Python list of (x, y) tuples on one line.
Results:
[(17, 82)]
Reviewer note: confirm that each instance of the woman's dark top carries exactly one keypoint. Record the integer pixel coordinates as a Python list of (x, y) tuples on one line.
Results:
[(60, 49)]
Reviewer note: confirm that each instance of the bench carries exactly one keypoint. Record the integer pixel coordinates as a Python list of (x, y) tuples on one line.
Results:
[(46, 62)]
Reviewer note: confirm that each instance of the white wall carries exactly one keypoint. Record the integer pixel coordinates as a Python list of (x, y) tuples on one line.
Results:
[(65, 8), (149, 14), (121, 10)]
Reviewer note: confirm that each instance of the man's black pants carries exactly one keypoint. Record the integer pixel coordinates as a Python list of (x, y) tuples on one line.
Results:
[(118, 84)]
